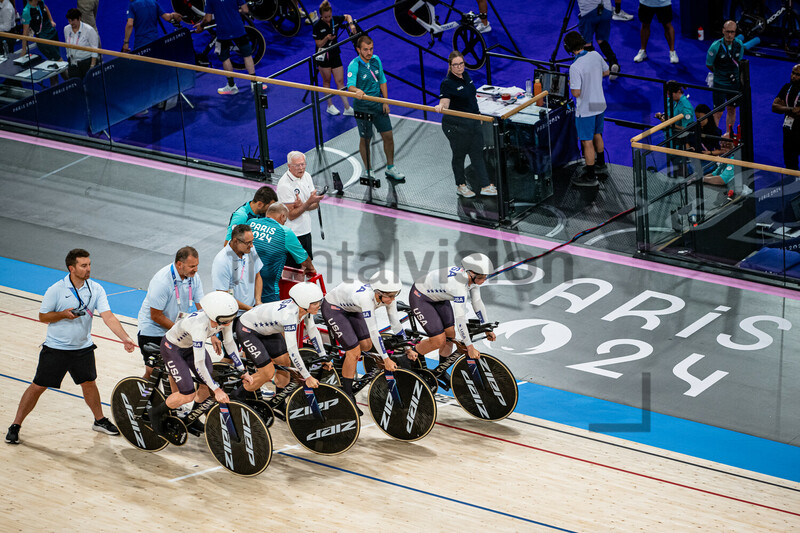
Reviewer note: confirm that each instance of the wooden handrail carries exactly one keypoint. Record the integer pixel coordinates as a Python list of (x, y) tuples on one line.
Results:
[(248, 77), (715, 159), (657, 128), (530, 102)]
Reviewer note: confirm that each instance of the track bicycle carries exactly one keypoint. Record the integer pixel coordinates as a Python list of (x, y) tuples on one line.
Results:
[(284, 15), (323, 420), (484, 387), (418, 17), (400, 402), (235, 434), (193, 12), (753, 17)]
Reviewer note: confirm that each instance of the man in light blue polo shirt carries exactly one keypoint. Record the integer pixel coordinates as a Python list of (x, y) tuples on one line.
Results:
[(68, 307), (236, 269), (170, 295)]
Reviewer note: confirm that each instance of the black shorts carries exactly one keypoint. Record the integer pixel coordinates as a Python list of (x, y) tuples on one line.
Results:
[(330, 60), (434, 317), (260, 349), (54, 365), (144, 339), (345, 327), (646, 13), (242, 43), (180, 365), (721, 97)]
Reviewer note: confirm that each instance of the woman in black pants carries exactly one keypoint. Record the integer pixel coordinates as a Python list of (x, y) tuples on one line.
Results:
[(457, 93)]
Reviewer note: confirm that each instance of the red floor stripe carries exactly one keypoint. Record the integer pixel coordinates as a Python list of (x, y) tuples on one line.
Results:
[(617, 469)]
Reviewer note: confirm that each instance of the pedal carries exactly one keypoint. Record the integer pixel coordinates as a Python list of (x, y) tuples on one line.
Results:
[(196, 428)]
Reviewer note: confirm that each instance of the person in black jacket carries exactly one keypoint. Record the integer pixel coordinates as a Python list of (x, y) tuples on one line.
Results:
[(457, 93)]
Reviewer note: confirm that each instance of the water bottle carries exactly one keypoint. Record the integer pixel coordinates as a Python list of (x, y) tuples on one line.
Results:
[(528, 88), (701, 35)]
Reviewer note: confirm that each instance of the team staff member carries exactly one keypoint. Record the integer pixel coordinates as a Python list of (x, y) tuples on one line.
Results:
[(256, 208), (81, 34), (365, 76), (68, 308), (430, 299), (272, 242), (349, 311), (329, 60), (170, 295), (787, 103), (230, 31), (296, 190), (723, 61), (268, 333), (184, 352), (36, 19), (457, 92), (586, 83), (237, 269), (143, 22)]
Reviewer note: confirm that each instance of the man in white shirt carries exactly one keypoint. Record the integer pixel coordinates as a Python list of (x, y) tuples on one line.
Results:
[(80, 34), (8, 19), (586, 83), (296, 190)]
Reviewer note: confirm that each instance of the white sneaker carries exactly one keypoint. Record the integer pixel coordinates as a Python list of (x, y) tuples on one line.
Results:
[(673, 57), (484, 28), (489, 190), (464, 191), (622, 16), (348, 112), (396, 175), (614, 70), (228, 90), (332, 110), (640, 56)]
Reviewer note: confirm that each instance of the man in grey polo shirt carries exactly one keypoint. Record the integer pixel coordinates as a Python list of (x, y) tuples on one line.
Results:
[(68, 307), (236, 269), (170, 295)]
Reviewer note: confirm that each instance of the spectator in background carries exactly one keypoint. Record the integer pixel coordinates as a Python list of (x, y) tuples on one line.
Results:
[(723, 61), (678, 105), (230, 31), (330, 61), (619, 14), (88, 9), (594, 21), (787, 103), (255, 208), (36, 19), (143, 22), (709, 132), (483, 14), (81, 34), (8, 20), (296, 190), (663, 10), (586, 83)]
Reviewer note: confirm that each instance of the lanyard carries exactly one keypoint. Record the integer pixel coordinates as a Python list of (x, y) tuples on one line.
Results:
[(243, 262), (729, 53), (82, 305), (796, 97), (374, 77), (177, 293)]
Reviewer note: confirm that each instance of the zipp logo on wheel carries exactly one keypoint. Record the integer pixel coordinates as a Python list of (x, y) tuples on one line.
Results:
[(305, 411), (132, 419), (490, 378), (387, 412), (332, 430), (248, 437), (412, 410), (476, 397)]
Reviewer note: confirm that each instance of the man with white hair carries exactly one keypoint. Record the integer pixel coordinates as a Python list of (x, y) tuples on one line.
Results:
[(296, 190)]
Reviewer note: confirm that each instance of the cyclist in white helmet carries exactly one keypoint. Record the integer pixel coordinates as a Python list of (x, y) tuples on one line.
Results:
[(268, 332), (430, 299), (186, 359), (349, 311)]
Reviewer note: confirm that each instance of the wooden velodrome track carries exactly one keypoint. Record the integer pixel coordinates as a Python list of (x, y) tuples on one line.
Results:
[(521, 474)]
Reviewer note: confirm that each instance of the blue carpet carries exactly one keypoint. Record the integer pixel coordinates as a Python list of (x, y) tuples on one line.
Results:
[(533, 25)]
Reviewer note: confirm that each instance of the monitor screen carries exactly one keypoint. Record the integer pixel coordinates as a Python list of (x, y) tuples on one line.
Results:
[(555, 83)]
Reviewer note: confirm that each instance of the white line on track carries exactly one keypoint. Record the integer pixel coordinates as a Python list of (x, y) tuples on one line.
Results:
[(207, 470), (65, 166)]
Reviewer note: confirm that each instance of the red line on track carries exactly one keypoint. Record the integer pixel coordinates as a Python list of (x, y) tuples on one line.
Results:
[(617, 469)]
